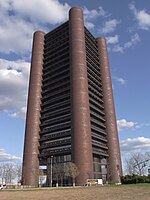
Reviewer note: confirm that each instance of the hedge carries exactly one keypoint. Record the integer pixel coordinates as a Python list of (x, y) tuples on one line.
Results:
[(129, 179)]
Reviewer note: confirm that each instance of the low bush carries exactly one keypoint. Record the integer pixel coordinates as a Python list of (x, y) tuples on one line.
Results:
[(132, 179)]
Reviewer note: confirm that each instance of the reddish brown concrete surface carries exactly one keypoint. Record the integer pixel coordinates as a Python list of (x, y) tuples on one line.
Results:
[(81, 143), (30, 157), (114, 161), (81, 136)]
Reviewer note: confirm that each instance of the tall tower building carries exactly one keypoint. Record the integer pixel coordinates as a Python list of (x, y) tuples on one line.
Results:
[(70, 113)]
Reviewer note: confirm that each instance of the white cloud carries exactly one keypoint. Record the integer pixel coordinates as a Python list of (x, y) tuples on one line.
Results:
[(130, 44), (47, 11), (142, 17), (123, 124), (120, 80), (109, 26), (139, 144), (19, 19), (20, 114), (117, 48), (15, 34), (92, 14), (13, 84), (112, 39), (102, 12), (4, 156), (134, 40), (89, 25), (142, 125)]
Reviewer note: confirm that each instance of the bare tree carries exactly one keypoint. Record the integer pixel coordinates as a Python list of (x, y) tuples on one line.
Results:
[(58, 172), (147, 155), (137, 163), (72, 171), (129, 166), (18, 169), (41, 177), (8, 172), (37, 174), (2, 173)]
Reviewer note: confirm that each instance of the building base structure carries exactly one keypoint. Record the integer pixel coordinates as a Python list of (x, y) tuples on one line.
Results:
[(70, 114)]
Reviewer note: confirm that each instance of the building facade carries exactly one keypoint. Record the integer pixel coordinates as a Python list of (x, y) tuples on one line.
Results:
[(70, 113)]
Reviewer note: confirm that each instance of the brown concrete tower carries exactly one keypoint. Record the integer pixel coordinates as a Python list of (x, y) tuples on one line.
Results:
[(30, 157), (114, 159), (70, 115), (81, 130)]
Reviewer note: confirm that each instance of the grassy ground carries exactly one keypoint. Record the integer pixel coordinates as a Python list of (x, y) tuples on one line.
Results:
[(126, 192)]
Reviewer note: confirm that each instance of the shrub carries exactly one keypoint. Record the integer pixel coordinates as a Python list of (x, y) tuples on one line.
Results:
[(128, 179)]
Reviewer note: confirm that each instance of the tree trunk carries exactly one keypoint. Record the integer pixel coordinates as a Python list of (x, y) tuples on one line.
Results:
[(74, 184)]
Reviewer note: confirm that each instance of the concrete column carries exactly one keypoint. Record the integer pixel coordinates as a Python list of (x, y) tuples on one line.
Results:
[(114, 161), (30, 157), (81, 136)]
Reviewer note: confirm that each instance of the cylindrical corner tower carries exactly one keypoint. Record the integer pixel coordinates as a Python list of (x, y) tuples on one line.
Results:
[(81, 130), (30, 174), (114, 160)]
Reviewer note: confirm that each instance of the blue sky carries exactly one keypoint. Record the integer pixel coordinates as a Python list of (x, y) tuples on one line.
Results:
[(126, 26)]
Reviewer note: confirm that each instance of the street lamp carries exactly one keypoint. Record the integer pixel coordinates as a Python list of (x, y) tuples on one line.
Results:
[(51, 171)]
